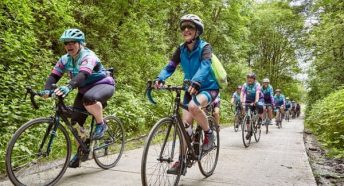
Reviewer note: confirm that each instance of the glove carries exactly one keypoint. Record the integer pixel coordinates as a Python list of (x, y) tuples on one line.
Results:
[(45, 93), (63, 90), (194, 88), (158, 83)]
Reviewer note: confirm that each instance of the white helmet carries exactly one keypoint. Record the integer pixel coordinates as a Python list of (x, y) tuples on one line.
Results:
[(266, 80), (195, 19)]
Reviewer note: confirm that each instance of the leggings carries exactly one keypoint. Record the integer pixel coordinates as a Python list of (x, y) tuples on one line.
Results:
[(101, 93)]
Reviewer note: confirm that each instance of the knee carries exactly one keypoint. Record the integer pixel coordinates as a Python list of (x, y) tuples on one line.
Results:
[(193, 108), (216, 114), (89, 100)]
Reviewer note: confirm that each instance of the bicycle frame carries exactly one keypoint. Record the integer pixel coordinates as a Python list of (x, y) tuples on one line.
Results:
[(178, 120)]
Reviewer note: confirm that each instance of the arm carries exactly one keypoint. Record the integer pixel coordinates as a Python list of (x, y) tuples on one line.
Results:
[(272, 97), (243, 95), (171, 66), (257, 93), (205, 67)]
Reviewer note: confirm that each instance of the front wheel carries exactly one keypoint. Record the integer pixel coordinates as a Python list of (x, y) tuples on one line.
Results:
[(38, 153), (109, 149), (236, 122), (163, 147), (209, 159), (257, 129), (245, 130)]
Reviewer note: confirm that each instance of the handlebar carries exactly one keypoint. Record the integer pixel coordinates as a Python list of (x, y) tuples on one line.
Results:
[(33, 93), (150, 86)]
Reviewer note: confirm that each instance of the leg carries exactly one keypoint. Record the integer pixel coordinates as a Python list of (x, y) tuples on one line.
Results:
[(93, 100), (197, 112), (216, 115)]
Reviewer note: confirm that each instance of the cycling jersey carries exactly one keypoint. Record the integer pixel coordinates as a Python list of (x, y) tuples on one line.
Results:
[(196, 65), (236, 97), (268, 94), (249, 92), (287, 104), (86, 62), (279, 100)]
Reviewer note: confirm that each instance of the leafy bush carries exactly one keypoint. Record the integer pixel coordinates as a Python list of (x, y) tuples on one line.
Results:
[(326, 120)]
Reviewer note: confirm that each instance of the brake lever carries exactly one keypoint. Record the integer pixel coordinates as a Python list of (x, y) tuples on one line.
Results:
[(148, 92)]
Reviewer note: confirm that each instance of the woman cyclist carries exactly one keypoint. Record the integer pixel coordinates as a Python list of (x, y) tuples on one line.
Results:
[(268, 92), (88, 75), (194, 55), (251, 94)]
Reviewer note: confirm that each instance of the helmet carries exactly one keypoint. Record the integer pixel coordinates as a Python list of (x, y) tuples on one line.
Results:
[(73, 34), (287, 98), (251, 75), (278, 90), (195, 19), (266, 80), (239, 87)]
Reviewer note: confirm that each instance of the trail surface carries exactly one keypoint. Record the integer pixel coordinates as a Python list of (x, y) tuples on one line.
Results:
[(278, 159)]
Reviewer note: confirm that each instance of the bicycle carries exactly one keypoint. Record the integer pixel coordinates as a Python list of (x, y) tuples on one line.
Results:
[(266, 119), (237, 117), (287, 115), (278, 117), (167, 141), (250, 124), (40, 150)]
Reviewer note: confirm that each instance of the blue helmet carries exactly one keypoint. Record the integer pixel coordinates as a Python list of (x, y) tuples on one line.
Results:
[(73, 34)]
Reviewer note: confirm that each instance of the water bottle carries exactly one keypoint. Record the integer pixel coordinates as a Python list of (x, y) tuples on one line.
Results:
[(81, 131), (188, 129)]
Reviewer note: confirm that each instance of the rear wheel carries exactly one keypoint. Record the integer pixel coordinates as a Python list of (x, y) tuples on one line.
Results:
[(209, 159), (163, 147), (109, 149), (38, 155), (245, 129)]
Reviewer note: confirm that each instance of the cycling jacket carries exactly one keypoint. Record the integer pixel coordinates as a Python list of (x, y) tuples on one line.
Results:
[(249, 92), (236, 97), (86, 61), (268, 94), (195, 67), (279, 100)]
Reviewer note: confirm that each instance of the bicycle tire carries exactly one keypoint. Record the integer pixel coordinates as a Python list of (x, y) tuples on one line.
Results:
[(44, 167), (236, 122), (152, 156), (244, 132), (257, 130), (213, 154), (114, 135)]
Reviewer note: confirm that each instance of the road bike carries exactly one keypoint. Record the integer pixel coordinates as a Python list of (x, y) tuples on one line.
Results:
[(250, 125), (167, 141), (266, 120), (278, 117), (237, 117), (40, 150)]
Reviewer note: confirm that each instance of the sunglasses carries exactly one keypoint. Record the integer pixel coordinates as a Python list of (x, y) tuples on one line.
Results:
[(72, 42), (188, 26)]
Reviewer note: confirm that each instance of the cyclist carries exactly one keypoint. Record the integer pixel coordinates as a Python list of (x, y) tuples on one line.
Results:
[(287, 105), (298, 109), (293, 108), (251, 94), (267, 91), (216, 105), (279, 101), (194, 55), (236, 101), (88, 75)]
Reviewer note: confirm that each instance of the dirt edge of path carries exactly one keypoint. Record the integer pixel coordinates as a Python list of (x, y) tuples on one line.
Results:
[(326, 171)]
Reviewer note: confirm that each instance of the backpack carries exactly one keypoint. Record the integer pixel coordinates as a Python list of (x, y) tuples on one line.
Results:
[(219, 72)]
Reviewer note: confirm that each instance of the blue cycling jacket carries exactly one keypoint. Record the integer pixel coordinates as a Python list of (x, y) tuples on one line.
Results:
[(279, 100), (195, 68), (268, 94)]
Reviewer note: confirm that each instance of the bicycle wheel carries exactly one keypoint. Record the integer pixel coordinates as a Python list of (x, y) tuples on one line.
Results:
[(257, 129), (36, 155), (109, 149), (236, 122), (245, 131), (163, 147), (208, 161)]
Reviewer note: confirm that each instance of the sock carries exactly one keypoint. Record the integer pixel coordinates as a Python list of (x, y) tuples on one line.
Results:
[(101, 123)]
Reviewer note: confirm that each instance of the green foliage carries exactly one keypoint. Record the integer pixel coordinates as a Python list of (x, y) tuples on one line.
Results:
[(326, 121), (137, 38)]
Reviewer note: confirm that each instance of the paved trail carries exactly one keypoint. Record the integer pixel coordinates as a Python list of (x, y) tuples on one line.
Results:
[(278, 159)]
